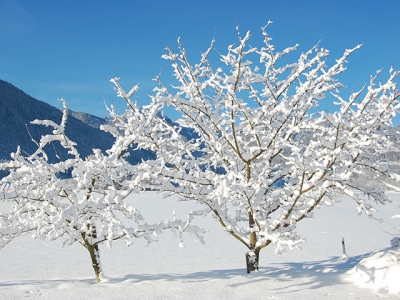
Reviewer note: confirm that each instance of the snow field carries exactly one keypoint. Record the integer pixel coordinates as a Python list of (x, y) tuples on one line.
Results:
[(42, 270)]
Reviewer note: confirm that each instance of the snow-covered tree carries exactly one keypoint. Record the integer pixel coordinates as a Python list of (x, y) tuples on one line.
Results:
[(76, 199), (254, 147)]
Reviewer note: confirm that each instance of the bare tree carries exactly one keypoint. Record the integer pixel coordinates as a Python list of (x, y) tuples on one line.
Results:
[(86, 206), (253, 146)]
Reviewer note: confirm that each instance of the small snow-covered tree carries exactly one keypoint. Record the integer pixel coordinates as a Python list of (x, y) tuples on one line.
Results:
[(87, 206), (253, 146)]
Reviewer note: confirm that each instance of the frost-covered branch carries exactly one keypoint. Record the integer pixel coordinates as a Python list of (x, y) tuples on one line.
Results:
[(77, 199), (253, 146)]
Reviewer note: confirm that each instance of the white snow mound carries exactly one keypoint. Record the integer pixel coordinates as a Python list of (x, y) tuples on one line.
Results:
[(380, 271)]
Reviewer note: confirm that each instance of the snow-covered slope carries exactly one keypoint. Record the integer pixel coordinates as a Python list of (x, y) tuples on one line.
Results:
[(43, 270), (88, 119)]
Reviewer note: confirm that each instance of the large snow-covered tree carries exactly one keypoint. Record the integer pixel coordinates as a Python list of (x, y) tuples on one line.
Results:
[(254, 147), (75, 199)]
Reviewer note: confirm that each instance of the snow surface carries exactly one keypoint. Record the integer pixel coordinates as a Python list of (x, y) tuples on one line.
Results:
[(42, 270), (380, 271)]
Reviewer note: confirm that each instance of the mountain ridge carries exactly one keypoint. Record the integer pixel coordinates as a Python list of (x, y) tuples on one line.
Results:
[(18, 109)]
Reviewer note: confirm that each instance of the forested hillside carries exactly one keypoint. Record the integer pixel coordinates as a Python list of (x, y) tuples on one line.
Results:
[(17, 110)]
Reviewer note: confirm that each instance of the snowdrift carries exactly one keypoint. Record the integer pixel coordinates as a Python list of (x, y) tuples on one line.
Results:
[(380, 271)]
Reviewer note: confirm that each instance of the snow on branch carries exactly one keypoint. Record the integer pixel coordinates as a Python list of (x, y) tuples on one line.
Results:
[(254, 148), (76, 199)]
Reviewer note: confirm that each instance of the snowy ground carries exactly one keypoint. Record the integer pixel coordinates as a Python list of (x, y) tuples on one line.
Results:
[(43, 270)]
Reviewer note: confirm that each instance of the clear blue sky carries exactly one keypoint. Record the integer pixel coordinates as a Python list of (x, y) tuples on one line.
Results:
[(53, 49)]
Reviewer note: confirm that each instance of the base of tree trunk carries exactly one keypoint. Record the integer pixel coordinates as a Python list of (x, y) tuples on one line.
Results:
[(252, 261)]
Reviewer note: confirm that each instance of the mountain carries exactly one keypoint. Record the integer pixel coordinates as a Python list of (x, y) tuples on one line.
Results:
[(88, 119), (17, 110)]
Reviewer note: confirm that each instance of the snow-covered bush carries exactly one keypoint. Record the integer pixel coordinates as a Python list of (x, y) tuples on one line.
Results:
[(395, 242), (379, 271), (257, 152), (87, 206)]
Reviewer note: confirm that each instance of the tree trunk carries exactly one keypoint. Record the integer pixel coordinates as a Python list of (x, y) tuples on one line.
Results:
[(95, 257), (252, 259), (253, 255), (94, 252)]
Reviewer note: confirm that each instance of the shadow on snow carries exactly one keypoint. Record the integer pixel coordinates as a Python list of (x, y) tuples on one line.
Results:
[(314, 275)]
